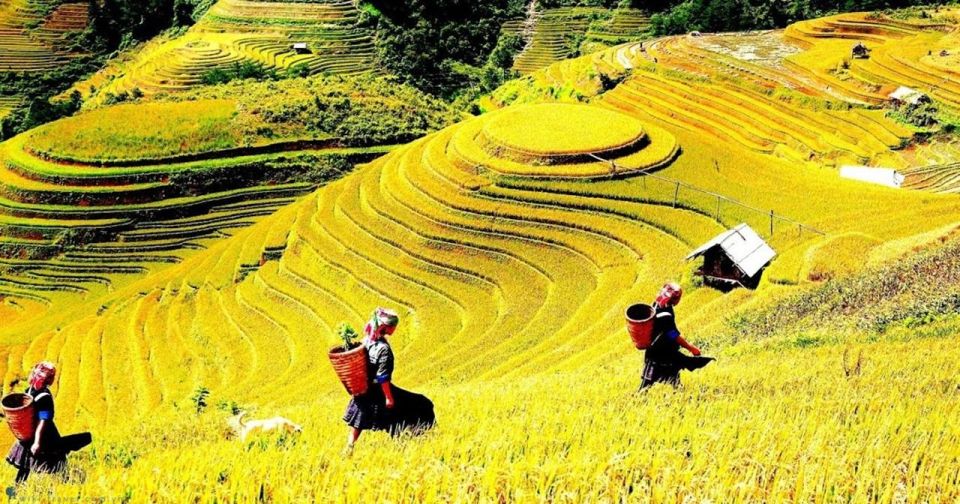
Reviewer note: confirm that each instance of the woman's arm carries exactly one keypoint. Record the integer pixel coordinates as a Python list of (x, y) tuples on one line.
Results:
[(694, 350), (387, 393), (41, 427)]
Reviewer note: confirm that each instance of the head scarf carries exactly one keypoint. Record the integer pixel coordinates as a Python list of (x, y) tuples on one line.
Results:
[(42, 375), (381, 320), (669, 295)]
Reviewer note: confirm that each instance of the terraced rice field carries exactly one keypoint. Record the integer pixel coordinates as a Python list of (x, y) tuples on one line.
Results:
[(31, 43), (903, 53), (466, 244), (554, 34), (7, 103), (501, 275), (236, 31), (770, 92), (510, 253), (942, 178), (71, 226), (624, 25)]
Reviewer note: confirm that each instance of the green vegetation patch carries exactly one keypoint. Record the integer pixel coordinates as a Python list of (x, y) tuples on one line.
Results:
[(147, 130), (357, 111)]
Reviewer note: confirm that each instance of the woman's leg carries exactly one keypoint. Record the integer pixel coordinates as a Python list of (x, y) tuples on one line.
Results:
[(22, 474), (353, 436)]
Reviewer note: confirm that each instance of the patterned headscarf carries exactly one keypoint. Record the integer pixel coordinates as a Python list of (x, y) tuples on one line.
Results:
[(381, 320), (669, 295), (42, 375)]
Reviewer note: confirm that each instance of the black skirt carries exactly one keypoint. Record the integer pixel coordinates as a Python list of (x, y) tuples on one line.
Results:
[(45, 461), (410, 411), (668, 371), (50, 459)]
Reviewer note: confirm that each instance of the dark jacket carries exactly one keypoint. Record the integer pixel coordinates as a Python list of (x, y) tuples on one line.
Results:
[(664, 348)]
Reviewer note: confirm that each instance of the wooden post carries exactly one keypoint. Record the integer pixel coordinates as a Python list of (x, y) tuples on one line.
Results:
[(771, 222), (676, 195)]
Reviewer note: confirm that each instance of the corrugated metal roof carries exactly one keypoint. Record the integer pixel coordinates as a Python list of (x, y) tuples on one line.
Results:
[(743, 246), (906, 95), (883, 176)]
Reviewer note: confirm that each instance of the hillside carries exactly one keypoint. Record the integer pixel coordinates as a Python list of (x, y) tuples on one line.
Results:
[(238, 32), (510, 243), (551, 35), (36, 37), (87, 201), (779, 93), (34, 34)]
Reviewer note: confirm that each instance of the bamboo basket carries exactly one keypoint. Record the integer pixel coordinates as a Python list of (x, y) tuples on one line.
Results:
[(351, 368), (640, 325), (18, 408)]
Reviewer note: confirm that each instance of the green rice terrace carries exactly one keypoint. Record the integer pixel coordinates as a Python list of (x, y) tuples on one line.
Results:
[(33, 33), (303, 37), (36, 36), (551, 35)]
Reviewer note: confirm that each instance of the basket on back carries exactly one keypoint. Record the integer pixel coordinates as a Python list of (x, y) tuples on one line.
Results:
[(18, 408), (640, 325), (351, 368)]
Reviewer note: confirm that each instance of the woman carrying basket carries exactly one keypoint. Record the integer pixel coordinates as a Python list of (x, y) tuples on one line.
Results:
[(663, 360), (384, 406), (47, 451)]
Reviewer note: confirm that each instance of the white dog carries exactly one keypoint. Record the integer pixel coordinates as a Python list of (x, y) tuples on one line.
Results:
[(242, 427)]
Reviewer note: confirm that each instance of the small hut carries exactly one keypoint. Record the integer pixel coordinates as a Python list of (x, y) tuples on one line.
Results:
[(301, 48), (860, 51), (734, 258), (907, 96)]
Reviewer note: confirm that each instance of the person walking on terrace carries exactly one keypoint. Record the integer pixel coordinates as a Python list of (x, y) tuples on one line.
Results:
[(47, 451), (663, 360), (385, 406)]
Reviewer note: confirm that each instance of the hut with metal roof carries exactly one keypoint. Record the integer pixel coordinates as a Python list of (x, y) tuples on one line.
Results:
[(910, 97), (734, 258)]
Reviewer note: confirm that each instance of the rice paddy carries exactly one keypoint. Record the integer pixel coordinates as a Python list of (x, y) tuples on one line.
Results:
[(237, 32)]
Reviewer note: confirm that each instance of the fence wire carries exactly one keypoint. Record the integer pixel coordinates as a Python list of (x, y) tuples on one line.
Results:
[(724, 209)]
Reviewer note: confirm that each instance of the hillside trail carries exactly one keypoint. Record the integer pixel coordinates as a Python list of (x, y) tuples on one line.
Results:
[(529, 26)]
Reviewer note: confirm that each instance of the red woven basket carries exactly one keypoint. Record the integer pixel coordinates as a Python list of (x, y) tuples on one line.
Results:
[(351, 368), (640, 325), (18, 408)]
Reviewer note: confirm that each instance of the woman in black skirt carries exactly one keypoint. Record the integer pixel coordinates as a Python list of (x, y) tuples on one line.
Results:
[(47, 451), (40, 453), (384, 406), (663, 359)]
